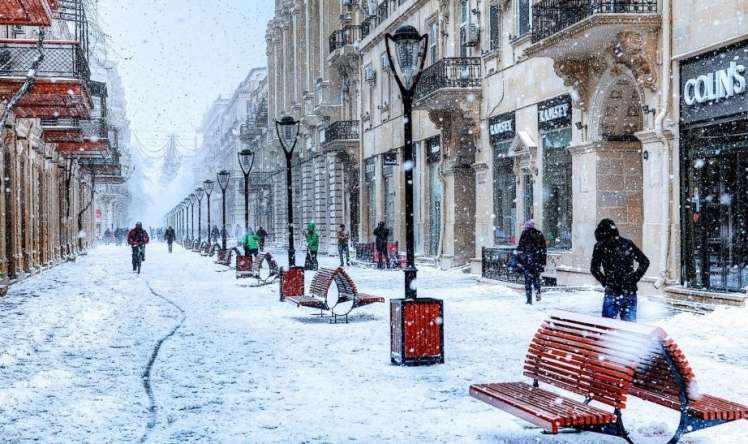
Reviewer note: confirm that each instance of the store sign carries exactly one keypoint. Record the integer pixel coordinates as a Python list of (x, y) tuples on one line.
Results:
[(369, 169), (433, 149), (389, 158), (555, 113), (501, 127), (713, 85)]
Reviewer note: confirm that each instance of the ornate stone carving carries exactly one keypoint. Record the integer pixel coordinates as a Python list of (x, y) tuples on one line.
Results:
[(632, 50), (576, 74)]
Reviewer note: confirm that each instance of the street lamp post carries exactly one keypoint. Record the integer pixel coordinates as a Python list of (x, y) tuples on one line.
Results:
[(425, 318), (223, 182), (199, 193), (186, 203), (193, 199), (246, 161), (208, 186), (287, 130)]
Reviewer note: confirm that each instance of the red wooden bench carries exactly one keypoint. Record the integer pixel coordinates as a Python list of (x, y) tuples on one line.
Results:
[(339, 301), (604, 360)]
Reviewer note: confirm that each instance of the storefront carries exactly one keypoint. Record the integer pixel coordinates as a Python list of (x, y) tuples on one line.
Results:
[(554, 123), (433, 160), (714, 169), (389, 166), (501, 131), (370, 185)]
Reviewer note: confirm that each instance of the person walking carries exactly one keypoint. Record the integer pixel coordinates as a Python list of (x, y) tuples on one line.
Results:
[(532, 255), (249, 242), (312, 243), (170, 236), (261, 235), (215, 234), (343, 238), (618, 264), (381, 234)]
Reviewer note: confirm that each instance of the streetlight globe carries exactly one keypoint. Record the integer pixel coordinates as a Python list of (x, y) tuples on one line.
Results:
[(287, 129), (199, 192), (246, 160), (410, 53), (208, 185), (223, 179)]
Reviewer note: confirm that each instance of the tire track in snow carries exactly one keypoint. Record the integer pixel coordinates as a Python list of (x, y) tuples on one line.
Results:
[(152, 408)]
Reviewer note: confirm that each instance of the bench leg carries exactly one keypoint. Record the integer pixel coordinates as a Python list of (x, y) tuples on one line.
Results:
[(615, 429), (690, 424)]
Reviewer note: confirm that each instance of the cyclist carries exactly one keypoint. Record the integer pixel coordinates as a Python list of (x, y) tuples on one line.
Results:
[(137, 238)]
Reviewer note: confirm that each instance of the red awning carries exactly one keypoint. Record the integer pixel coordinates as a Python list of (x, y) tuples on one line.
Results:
[(26, 12)]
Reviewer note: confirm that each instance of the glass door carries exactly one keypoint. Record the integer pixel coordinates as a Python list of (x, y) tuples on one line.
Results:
[(435, 212)]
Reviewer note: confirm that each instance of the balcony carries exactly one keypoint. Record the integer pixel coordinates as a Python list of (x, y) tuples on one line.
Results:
[(326, 99), (449, 83), (342, 43), (108, 170), (61, 88), (341, 134), (94, 140), (575, 28), (25, 13)]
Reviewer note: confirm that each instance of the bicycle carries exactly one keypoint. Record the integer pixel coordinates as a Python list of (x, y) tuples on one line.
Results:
[(137, 258)]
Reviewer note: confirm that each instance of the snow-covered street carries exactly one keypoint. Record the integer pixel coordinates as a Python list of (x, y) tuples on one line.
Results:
[(90, 352)]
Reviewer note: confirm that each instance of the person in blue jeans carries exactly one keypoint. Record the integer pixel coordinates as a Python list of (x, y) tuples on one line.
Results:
[(618, 264)]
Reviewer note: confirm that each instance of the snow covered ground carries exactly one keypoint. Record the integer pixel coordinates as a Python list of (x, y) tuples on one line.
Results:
[(77, 360)]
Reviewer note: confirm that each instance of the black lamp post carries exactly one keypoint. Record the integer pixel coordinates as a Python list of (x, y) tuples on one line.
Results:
[(208, 186), (186, 203), (193, 199), (223, 182), (246, 161), (199, 193), (424, 318), (288, 132)]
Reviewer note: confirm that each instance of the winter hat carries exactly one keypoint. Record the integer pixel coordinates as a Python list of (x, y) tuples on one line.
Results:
[(530, 224), (606, 230)]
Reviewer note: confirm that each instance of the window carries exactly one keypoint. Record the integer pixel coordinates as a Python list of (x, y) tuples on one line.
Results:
[(433, 28), (382, 12), (464, 27), (524, 16), (505, 195), (557, 189), (494, 24)]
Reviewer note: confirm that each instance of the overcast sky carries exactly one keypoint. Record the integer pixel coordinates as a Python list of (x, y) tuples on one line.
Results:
[(177, 56)]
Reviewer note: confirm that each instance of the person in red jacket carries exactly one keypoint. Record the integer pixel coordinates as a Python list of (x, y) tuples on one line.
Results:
[(137, 238)]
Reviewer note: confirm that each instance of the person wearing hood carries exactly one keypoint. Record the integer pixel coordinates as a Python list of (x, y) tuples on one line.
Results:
[(312, 243), (532, 256), (249, 242), (618, 264), (381, 234)]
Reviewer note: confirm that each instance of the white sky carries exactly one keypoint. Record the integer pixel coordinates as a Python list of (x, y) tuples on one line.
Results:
[(177, 56)]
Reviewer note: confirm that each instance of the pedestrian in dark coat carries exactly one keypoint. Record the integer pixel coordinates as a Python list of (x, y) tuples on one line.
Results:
[(618, 264), (170, 236), (381, 234), (261, 235), (215, 234), (532, 257)]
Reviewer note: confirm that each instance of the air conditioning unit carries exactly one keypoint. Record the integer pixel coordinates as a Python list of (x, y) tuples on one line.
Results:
[(470, 35)]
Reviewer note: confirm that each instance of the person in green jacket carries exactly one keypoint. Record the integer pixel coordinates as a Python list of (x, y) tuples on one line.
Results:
[(249, 242), (312, 243)]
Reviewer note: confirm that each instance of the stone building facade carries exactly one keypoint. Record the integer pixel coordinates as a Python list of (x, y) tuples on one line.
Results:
[(313, 77), (53, 137), (533, 110)]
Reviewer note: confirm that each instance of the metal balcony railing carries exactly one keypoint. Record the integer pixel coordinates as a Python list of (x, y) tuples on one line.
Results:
[(95, 130), (454, 72), (61, 59), (346, 36), (552, 16), (341, 130)]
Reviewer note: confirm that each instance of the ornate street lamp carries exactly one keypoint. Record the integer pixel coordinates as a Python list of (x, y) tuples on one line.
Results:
[(186, 203), (287, 130), (246, 161), (409, 48), (199, 193), (223, 182), (208, 186)]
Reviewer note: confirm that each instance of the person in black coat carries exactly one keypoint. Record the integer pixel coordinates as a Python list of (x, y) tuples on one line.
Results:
[(532, 257), (619, 265), (381, 233), (170, 236)]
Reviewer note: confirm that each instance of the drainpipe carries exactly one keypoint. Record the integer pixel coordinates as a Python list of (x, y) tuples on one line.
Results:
[(660, 133)]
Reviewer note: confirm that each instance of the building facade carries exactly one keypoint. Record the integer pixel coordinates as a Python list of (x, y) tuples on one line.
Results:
[(53, 137)]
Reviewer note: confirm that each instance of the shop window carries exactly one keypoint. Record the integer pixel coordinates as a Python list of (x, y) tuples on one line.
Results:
[(505, 195), (557, 189)]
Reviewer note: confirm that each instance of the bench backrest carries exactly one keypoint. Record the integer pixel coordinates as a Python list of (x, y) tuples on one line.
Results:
[(655, 374), (321, 282), (588, 355), (345, 283)]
